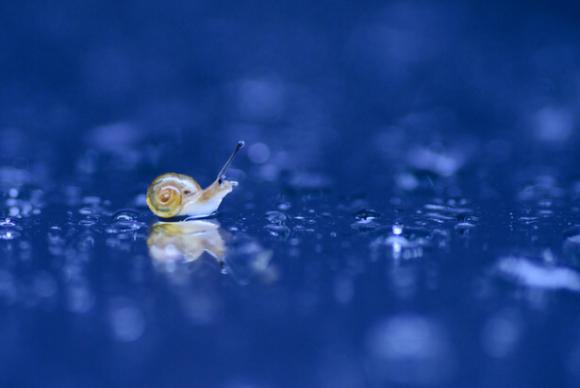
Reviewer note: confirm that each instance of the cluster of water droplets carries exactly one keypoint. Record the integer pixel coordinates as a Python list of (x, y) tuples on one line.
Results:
[(23, 201), (9, 229)]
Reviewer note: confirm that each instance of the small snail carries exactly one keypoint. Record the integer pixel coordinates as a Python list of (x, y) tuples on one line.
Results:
[(171, 194)]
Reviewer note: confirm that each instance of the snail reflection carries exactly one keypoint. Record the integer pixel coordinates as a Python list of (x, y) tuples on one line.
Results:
[(186, 240), (171, 243)]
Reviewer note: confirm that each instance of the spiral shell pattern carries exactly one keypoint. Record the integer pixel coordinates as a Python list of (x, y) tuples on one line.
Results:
[(166, 194)]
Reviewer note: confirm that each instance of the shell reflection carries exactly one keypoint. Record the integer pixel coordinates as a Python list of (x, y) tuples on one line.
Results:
[(186, 240)]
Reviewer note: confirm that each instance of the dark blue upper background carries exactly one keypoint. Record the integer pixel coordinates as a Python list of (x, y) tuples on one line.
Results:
[(313, 78)]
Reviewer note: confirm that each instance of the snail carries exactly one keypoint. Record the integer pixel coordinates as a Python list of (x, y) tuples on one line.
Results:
[(172, 194), (188, 240)]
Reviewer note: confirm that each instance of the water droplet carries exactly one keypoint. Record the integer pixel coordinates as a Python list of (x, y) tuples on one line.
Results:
[(397, 229), (127, 214), (7, 222), (86, 211), (276, 217), (529, 220), (463, 227), (87, 222), (366, 214), (284, 206), (365, 224), (280, 231), (126, 226), (9, 234), (9, 230)]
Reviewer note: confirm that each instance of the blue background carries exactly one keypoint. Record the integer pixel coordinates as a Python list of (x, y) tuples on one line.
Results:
[(455, 120)]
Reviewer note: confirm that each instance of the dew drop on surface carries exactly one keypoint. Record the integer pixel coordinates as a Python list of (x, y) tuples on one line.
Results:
[(9, 234), (7, 222), (464, 226), (276, 217), (126, 215), (87, 222), (397, 229), (284, 206), (127, 225), (366, 214), (87, 210), (364, 224)]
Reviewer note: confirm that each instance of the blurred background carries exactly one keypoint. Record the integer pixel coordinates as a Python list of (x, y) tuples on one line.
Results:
[(339, 88), (401, 157)]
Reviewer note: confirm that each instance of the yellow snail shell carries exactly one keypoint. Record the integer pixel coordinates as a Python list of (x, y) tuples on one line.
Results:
[(172, 194)]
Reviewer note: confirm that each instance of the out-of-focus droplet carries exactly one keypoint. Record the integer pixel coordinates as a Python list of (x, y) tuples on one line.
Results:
[(500, 334), (259, 153), (410, 350), (79, 298), (552, 124), (397, 229), (536, 275), (202, 309), (126, 320)]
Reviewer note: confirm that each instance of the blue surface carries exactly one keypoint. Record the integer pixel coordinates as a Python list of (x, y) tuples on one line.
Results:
[(407, 212)]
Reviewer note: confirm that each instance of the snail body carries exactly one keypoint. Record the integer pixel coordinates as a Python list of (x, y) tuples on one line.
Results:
[(171, 194)]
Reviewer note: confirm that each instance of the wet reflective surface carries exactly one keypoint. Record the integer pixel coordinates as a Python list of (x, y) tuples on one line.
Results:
[(407, 214)]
